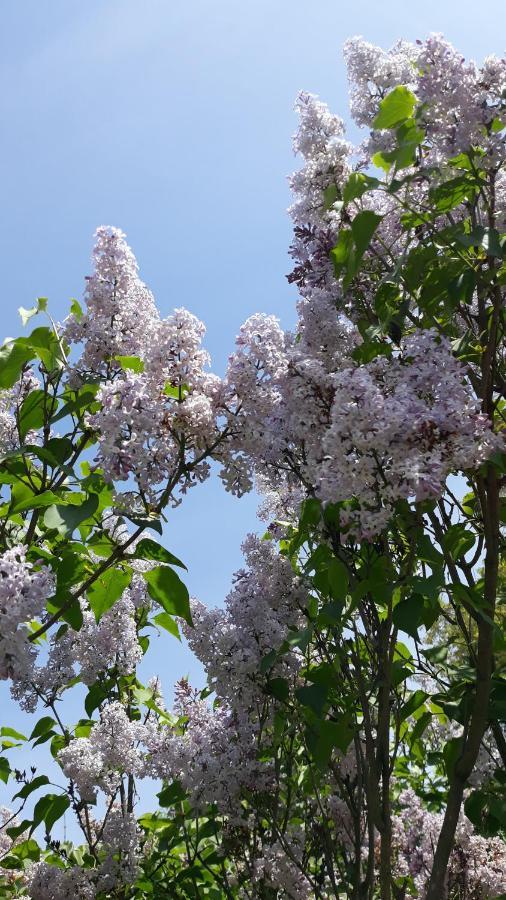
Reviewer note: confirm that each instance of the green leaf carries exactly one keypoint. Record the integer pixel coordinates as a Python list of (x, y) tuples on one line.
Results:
[(338, 579), (461, 161), (72, 615), (71, 569), (331, 613), (58, 807), (357, 185), (31, 413), (451, 753), (382, 160), (13, 357), (330, 195), (60, 448), (415, 701), (131, 363), (408, 615), (151, 522), (278, 688), (76, 309), (27, 314), (11, 732), (172, 794), (65, 519), (5, 769), (487, 238), (437, 654), (83, 728), (420, 726), (32, 786), (97, 693), (363, 227), (298, 638), (310, 513), (267, 661), (396, 107), (42, 727), (176, 391), (165, 586), (327, 737), (35, 501), (107, 589), (341, 252), (149, 549), (452, 193), (49, 809), (314, 696), (16, 830), (54, 453), (163, 620), (44, 344), (26, 850), (458, 541), (409, 138)]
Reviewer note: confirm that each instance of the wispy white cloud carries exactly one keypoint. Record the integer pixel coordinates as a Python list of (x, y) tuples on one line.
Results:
[(98, 34)]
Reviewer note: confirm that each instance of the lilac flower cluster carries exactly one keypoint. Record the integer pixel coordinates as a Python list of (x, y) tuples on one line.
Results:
[(24, 590), (160, 422), (109, 752), (121, 318), (10, 403), (266, 601), (398, 427), (111, 643), (391, 429), (215, 756), (477, 864)]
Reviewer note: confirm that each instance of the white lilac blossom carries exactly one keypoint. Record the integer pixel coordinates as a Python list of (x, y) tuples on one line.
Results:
[(266, 601), (459, 103), (161, 424), (215, 757), (117, 847), (110, 751), (8, 820), (112, 642), (374, 72), (281, 868), (121, 317), (120, 839), (477, 864), (460, 99), (398, 428), (390, 429), (320, 140), (47, 882), (10, 402), (24, 590)]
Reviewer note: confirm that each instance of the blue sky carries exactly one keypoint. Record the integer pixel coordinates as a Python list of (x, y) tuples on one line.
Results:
[(173, 121)]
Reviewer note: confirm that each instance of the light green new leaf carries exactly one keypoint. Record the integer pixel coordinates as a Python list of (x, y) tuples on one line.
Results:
[(130, 363), (36, 501), (357, 185), (397, 106), (27, 314), (163, 620)]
